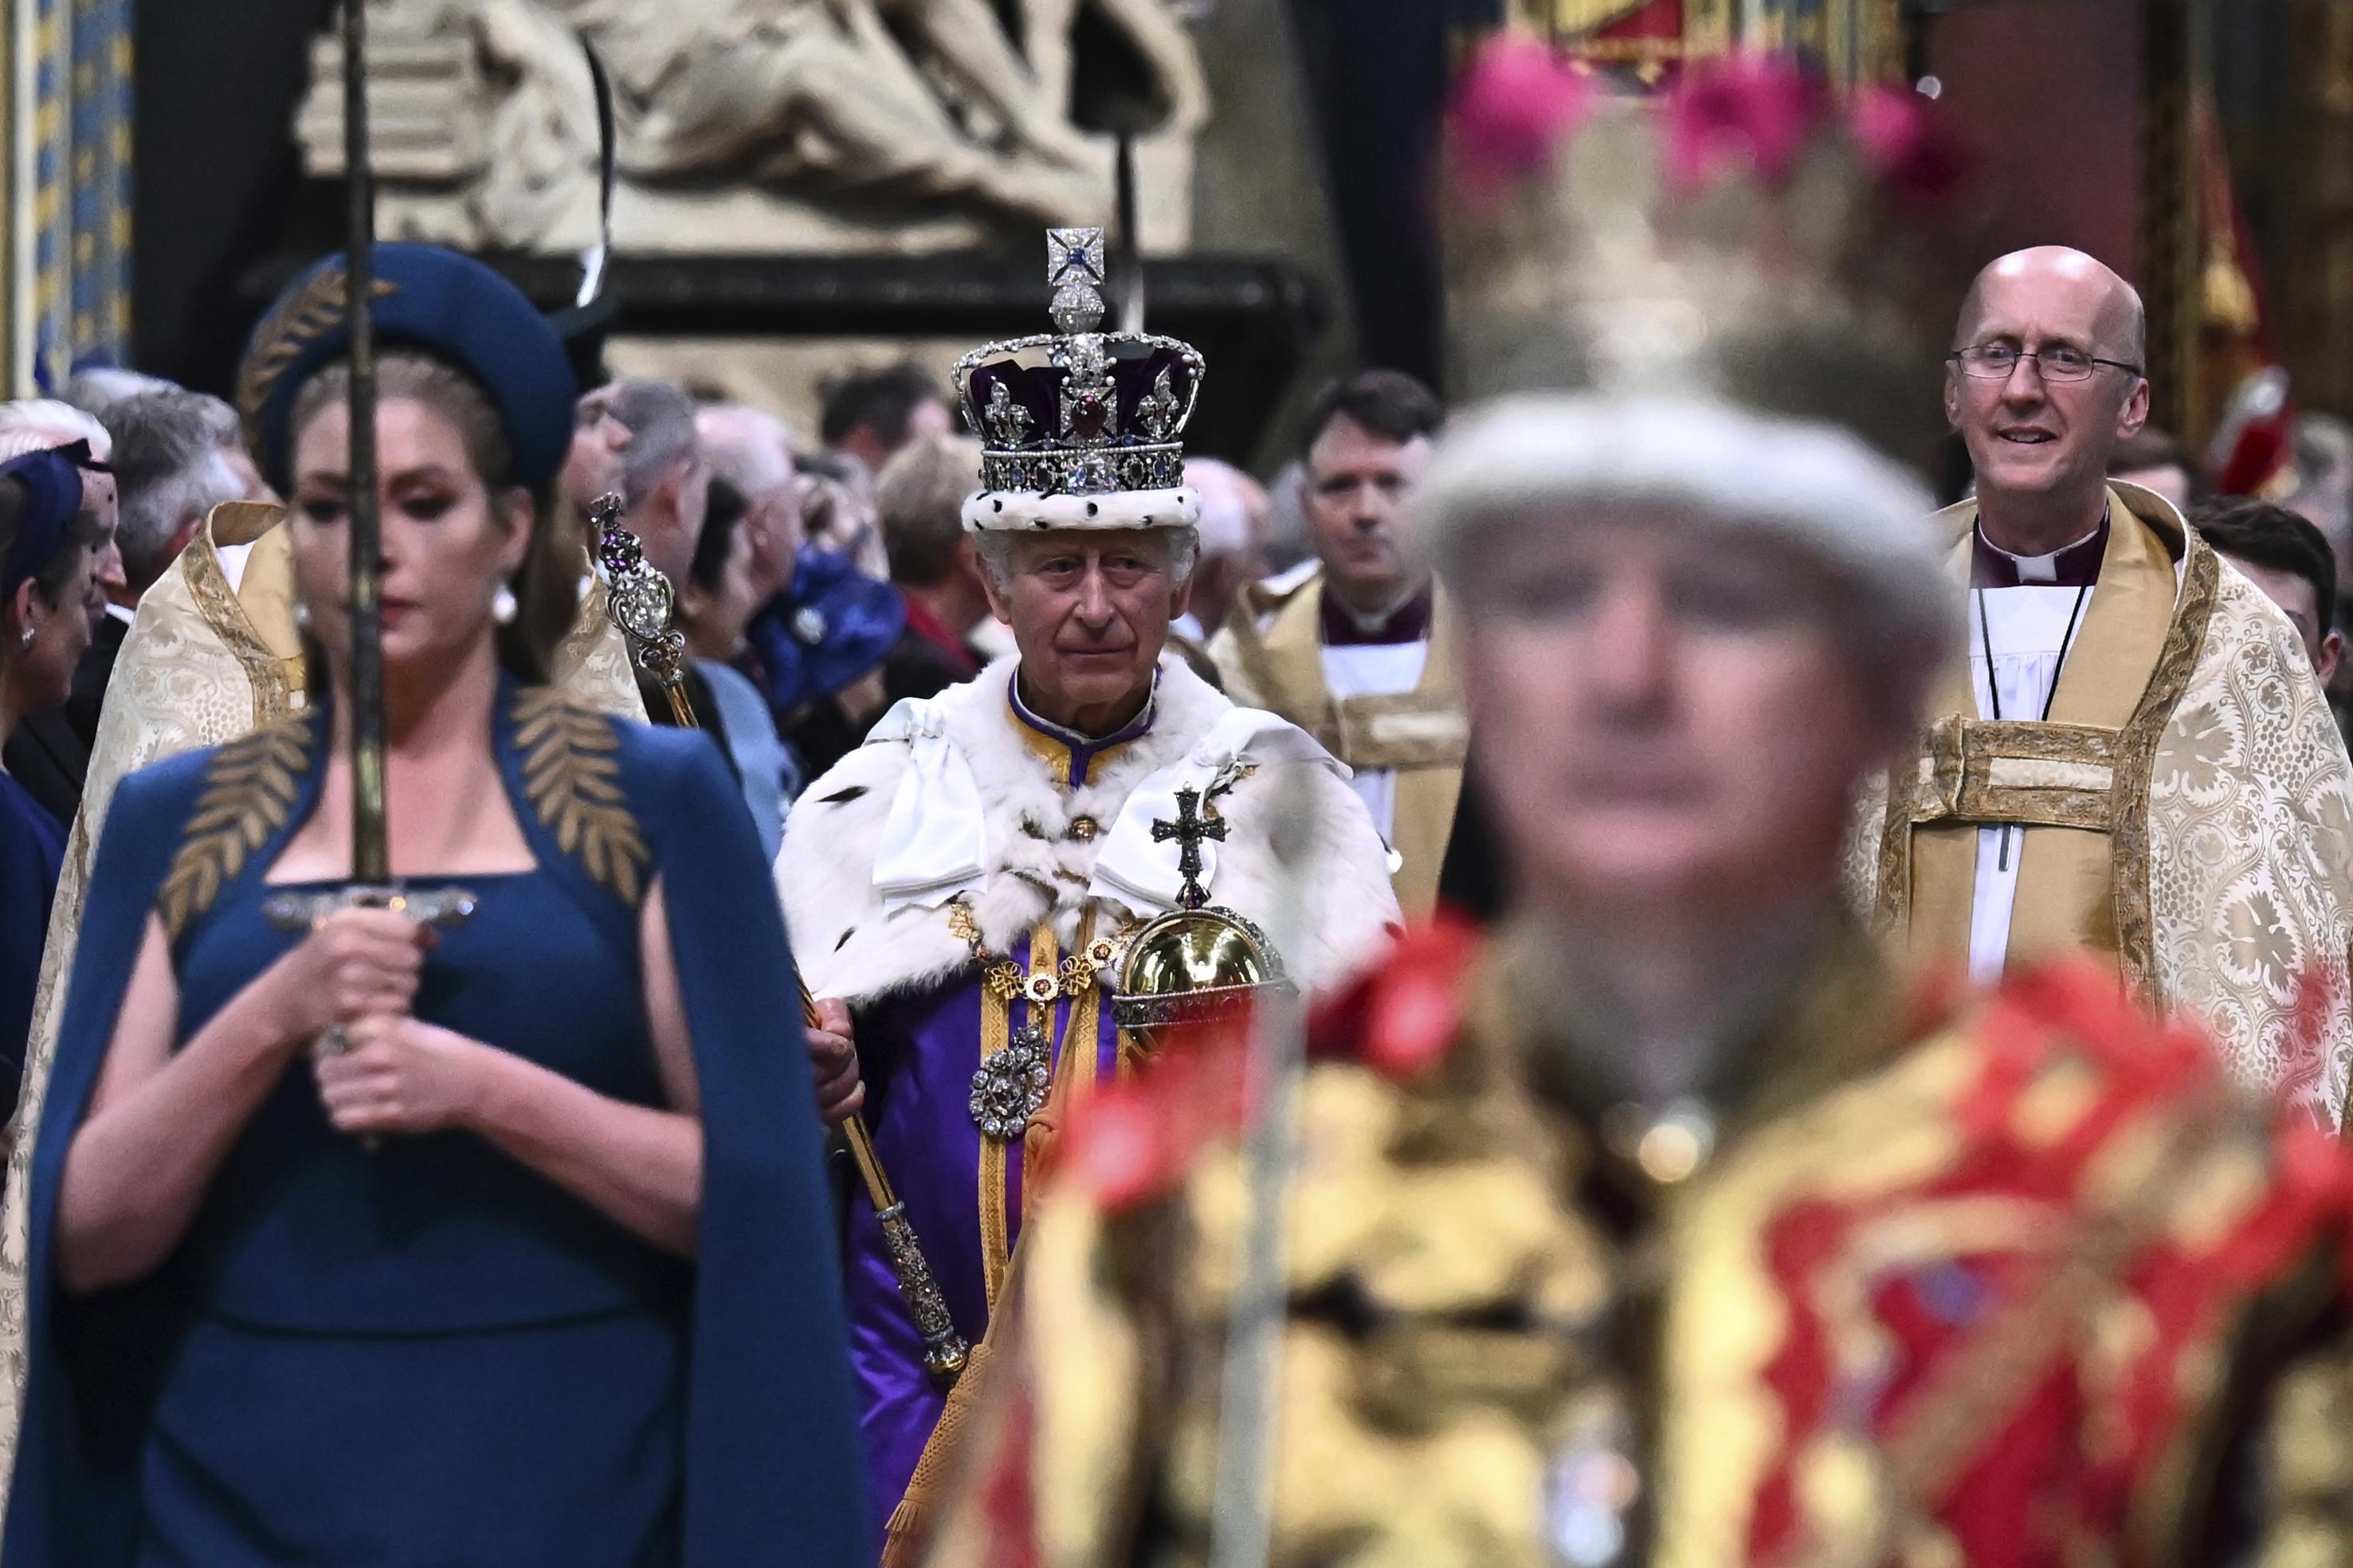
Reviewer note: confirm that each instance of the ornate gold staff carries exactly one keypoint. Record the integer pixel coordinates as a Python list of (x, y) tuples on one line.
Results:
[(639, 599)]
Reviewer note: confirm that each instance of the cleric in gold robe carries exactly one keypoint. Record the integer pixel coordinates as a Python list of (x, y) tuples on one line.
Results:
[(1665, 1229), (2136, 759), (1356, 646), (213, 654)]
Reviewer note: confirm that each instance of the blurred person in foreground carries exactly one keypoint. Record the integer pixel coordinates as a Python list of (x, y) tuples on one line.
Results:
[(959, 886), (2286, 556), (214, 653), (1663, 1229), (870, 415), (2135, 759), (1357, 648), (51, 540), (48, 753)]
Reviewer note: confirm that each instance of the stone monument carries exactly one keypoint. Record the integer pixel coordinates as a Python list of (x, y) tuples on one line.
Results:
[(761, 126)]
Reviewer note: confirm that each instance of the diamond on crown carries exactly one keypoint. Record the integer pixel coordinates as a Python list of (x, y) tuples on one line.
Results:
[(1074, 267), (1008, 423)]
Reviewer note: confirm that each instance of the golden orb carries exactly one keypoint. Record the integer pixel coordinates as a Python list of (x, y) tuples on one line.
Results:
[(1192, 966)]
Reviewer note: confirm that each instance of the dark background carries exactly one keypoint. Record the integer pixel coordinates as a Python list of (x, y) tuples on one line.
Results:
[(2048, 91)]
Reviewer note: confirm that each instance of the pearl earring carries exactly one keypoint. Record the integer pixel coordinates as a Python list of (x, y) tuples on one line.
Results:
[(24, 638), (302, 616), (502, 605)]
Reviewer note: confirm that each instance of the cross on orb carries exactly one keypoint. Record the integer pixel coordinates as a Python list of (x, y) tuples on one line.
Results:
[(1189, 830)]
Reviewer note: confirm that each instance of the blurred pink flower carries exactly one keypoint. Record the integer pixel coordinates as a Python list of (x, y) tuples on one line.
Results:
[(1517, 102), (1753, 111), (1906, 145)]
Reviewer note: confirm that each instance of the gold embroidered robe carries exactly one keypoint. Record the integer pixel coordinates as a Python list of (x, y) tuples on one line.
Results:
[(203, 664), (1421, 734), (1999, 1288), (2187, 810)]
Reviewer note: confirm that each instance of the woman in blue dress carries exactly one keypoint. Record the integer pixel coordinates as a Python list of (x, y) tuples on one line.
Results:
[(502, 1244), (50, 543)]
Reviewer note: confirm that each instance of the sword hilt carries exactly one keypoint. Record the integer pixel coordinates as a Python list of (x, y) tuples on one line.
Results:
[(298, 910)]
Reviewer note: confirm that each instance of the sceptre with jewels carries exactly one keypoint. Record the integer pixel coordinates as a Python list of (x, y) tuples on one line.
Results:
[(639, 600)]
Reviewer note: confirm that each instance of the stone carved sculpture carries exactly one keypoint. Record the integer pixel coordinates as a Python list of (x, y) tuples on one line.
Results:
[(751, 125)]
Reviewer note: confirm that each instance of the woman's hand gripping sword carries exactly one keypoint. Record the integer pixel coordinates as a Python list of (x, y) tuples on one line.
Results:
[(639, 600)]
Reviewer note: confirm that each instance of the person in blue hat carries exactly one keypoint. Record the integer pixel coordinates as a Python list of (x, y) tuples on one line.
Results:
[(504, 1244), (51, 543)]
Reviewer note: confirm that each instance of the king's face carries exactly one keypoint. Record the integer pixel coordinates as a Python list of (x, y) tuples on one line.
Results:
[(1090, 610)]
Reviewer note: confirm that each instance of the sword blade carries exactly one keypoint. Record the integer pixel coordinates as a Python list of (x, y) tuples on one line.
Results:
[(371, 849)]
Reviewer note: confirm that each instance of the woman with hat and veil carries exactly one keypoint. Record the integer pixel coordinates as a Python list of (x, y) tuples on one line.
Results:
[(365, 1243)]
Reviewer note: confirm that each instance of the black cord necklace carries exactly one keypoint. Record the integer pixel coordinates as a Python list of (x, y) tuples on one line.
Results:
[(1993, 686)]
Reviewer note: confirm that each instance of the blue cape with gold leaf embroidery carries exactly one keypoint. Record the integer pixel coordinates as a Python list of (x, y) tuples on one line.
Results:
[(771, 1469)]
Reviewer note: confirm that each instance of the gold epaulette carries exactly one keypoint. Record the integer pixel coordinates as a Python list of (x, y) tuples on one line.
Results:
[(249, 787), (570, 773)]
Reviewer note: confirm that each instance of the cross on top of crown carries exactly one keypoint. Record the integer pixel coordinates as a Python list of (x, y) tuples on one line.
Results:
[(1189, 830), (1075, 270)]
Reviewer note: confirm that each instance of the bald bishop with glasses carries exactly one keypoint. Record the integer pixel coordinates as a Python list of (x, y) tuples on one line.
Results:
[(2135, 758)]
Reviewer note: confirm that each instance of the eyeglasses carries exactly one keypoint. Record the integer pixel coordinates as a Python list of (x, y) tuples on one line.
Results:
[(1996, 362)]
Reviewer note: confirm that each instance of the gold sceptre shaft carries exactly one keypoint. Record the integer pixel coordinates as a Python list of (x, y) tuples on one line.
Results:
[(639, 600)]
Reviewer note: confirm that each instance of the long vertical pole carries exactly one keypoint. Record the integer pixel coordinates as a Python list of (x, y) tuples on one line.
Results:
[(371, 852)]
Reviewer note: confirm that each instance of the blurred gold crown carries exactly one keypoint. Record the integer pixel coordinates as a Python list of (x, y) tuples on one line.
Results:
[(1743, 238)]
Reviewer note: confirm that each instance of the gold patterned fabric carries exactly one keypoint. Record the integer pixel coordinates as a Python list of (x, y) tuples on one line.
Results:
[(202, 665), (1993, 1296), (2188, 814), (1423, 734)]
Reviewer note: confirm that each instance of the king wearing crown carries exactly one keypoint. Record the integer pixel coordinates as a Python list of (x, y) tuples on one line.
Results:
[(964, 890)]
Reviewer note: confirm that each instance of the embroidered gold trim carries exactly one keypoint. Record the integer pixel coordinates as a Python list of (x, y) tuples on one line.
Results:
[(1890, 908), (1403, 731), (2137, 765), (1959, 779), (1311, 710), (2132, 756), (1956, 1408), (588, 626), (995, 1153), (271, 676), (249, 790), (1721, 1429), (1075, 1065), (297, 322), (572, 778)]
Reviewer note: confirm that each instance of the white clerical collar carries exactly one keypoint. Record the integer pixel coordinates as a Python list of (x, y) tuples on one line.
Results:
[(2042, 570)]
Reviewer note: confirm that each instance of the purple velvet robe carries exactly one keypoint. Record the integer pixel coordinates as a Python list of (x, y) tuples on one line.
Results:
[(918, 1053)]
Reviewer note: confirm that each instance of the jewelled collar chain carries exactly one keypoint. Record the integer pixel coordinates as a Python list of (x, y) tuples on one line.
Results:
[(1014, 1082)]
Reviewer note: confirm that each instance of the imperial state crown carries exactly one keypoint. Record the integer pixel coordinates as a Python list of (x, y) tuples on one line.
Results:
[(1079, 427)]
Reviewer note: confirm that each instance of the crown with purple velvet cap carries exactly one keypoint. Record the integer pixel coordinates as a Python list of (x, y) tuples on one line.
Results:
[(1081, 429)]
